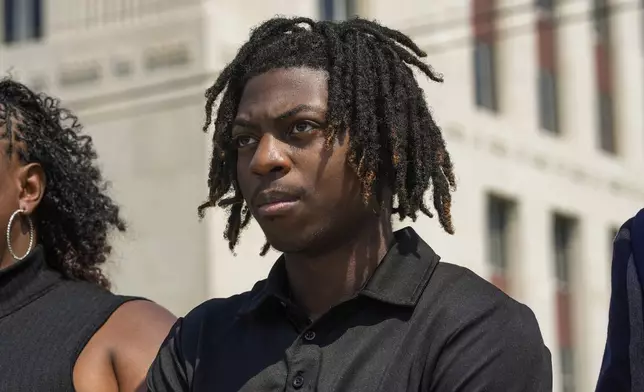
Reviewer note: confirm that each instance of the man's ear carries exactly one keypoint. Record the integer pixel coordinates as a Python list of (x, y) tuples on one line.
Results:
[(32, 182)]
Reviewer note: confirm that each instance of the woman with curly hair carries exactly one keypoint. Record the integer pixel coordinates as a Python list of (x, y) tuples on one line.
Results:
[(61, 329)]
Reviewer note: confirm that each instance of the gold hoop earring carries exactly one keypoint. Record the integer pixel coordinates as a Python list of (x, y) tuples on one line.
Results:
[(31, 234)]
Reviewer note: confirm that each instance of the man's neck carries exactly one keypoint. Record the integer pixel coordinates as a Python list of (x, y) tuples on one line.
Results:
[(319, 282)]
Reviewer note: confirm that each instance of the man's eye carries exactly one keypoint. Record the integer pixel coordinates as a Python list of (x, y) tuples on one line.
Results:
[(243, 141), (302, 127)]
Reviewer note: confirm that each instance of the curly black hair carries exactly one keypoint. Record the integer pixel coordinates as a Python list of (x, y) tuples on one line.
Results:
[(373, 94), (75, 215)]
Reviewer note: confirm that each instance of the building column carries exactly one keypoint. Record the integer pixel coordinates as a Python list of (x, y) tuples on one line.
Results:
[(577, 75), (628, 47), (536, 265), (591, 273)]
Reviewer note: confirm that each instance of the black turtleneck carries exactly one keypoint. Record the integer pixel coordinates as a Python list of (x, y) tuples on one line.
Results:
[(45, 322)]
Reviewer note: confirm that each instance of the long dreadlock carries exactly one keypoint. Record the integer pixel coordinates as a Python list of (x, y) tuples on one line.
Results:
[(372, 92)]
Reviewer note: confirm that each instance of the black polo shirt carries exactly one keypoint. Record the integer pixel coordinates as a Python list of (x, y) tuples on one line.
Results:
[(417, 325)]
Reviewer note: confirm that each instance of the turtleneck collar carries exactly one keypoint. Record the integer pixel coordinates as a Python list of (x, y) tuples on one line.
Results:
[(24, 281)]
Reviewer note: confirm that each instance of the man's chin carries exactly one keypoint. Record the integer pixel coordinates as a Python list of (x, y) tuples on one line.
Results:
[(302, 245), (292, 238), (285, 238), (291, 241), (286, 246)]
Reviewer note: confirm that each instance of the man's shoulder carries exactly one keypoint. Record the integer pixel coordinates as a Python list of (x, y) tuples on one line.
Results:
[(451, 279), (468, 317), (463, 296), (220, 311)]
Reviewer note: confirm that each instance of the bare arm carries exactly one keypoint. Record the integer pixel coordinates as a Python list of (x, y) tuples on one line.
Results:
[(118, 356)]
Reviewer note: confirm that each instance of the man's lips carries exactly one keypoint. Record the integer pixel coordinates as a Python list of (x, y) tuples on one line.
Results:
[(275, 202), (276, 208)]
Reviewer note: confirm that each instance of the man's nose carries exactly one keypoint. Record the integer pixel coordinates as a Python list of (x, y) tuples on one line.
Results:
[(271, 156)]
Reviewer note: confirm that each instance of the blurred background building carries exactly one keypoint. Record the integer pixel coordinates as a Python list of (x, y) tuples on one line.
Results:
[(541, 108)]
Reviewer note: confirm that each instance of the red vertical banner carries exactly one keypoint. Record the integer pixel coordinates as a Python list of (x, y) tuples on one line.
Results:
[(483, 20), (603, 48), (603, 68), (604, 75), (546, 42), (564, 330), (499, 279)]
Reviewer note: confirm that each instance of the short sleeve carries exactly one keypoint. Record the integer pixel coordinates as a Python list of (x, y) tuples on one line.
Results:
[(170, 372), (497, 350)]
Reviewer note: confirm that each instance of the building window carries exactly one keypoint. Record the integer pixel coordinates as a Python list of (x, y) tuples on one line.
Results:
[(500, 212), (22, 20), (606, 123), (547, 46), (564, 243), (337, 9), (485, 72), (567, 366), (548, 109), (604, 76), (485, 76), (601, 19)]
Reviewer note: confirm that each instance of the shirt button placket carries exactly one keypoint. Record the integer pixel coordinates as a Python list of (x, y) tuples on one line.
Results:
[(309, 336), (303, 361), (298, 381)]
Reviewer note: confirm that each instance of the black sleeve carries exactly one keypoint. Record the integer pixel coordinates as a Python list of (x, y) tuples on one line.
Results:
[(497, 350), (170, 372)]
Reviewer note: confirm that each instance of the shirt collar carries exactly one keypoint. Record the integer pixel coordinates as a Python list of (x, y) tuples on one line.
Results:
[(25, 280), (400, 279), (273, 287), (403, 274)]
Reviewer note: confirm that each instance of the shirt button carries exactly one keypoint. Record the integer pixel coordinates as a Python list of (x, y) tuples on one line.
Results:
[(309, 335), (298, 381)]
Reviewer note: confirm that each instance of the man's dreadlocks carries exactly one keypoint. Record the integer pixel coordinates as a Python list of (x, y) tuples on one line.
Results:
[(372, 93), (75, 214)]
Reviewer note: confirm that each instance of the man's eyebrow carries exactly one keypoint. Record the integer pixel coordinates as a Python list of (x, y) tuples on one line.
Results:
[(289, 113), (298, 109)]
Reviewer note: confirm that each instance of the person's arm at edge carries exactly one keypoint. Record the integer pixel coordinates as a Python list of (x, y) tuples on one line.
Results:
[(168, 372), (499, 350), (138, 328), (119, 354)]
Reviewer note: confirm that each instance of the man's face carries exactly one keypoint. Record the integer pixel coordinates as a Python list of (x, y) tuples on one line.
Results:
[(302, 194)]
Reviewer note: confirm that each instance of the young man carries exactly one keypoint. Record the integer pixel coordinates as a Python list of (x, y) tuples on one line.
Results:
[(322, 134)]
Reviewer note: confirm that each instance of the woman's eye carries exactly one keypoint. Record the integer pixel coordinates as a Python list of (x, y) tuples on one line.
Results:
[(302, 127), (243, 141)]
